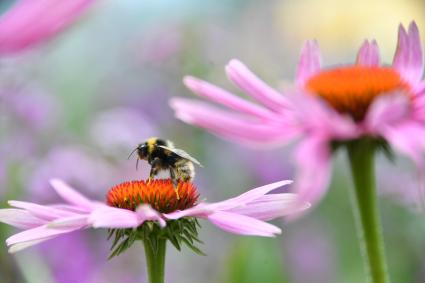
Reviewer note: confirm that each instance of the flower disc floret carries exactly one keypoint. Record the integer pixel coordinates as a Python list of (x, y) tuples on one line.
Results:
[(352, 89), (159, 194)]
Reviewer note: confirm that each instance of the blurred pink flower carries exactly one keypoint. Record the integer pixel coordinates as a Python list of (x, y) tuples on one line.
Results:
[(327, 107), (244, 215), (30, 22)]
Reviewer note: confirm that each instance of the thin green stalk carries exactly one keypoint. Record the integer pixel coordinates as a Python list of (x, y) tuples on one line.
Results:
[(155, 260), (361, 155)]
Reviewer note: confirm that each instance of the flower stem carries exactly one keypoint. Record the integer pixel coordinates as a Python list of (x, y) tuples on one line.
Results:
[(155, 260), (365, 206)]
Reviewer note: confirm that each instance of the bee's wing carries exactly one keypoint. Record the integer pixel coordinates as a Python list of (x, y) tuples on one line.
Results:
[(181, 153)]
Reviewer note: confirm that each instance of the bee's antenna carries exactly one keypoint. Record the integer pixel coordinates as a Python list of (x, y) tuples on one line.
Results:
[(134, 150)]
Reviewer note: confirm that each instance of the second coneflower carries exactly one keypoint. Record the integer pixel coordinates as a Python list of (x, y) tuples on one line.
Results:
[(362, 107), (149, 212)]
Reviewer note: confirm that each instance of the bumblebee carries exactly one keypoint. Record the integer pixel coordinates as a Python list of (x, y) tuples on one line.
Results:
[(162, 155)]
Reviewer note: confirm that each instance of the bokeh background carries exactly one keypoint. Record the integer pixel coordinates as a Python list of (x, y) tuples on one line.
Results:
[(74, 107)]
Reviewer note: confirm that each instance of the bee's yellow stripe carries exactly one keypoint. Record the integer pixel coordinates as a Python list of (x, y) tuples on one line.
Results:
[(151, 144)]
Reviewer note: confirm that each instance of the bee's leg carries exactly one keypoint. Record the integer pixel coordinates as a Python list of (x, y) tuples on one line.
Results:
[(175, 182), (154, 169)]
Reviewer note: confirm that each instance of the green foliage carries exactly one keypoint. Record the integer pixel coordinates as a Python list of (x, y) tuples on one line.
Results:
[(178, 232)]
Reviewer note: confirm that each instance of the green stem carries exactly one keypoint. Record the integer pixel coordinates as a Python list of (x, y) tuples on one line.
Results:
[(361, 155), (155, 260)]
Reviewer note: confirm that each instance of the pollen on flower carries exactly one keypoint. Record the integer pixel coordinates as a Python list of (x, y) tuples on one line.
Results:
[(352, 89), (159, 194)]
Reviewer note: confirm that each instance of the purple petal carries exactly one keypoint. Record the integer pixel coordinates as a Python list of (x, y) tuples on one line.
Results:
[(221, 96), (111, 217), (368, 54), (243, 225), (70, 195), (43, 212), (408, 59), (386, 110), (28, 23), (271, 206), (252, 85), (145, 213), (34, 236), (313, 160), (310, 62), (19, 218)]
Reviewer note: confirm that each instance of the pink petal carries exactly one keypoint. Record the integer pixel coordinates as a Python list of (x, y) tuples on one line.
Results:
[(408, 138), (316, 116), (146, 213), (43, 212), (252, 85), (70, 195), (202, 210), (19, 218), (243, 225), (368, 54), (313, 161), (309, 64), (20, 246), (386, 110), (28, 23), (69, 222), (111, 217), (248, 197), (34, 236), (408, 59), (224, 97), (272, 206), (227, 124)]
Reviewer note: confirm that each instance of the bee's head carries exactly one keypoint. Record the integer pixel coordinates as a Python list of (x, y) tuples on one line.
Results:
[(142, 151)]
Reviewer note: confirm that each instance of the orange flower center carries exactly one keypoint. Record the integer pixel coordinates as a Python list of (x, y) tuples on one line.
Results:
[(159, 194), (352, 89)]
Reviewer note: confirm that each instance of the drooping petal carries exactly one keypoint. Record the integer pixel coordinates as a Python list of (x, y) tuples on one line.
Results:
[(243, 225), (69, 222), (70, 195), (255, 87), (309, 64), (145, 212), (19, 218), (221, 96), (408, 59), (272, 206), (227, 124), (34, 236), (368, 54), (386, 110), (313, 162), (111, 217), (408, 138), (315, 116), (28, 23), (40, 211)]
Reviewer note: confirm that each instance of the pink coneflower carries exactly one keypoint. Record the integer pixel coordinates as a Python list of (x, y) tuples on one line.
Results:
[(363, 106), (327, 107), (29, 22), (150, 212)]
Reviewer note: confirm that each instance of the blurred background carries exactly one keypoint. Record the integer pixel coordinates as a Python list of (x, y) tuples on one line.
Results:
[(75, 106)]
